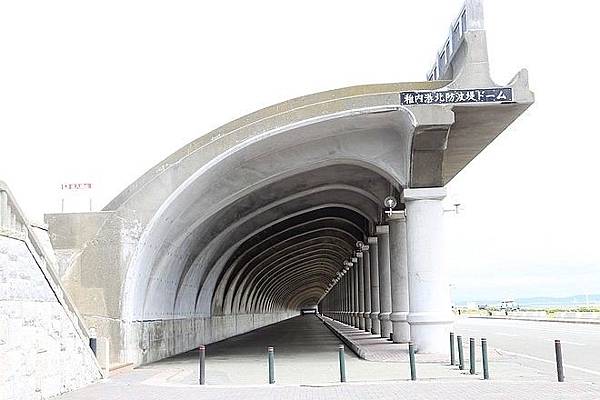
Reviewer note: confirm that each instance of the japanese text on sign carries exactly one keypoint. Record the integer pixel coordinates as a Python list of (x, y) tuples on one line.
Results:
[(492, 95)]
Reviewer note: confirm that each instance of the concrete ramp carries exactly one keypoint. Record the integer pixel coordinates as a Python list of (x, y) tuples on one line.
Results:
[(43, 343)]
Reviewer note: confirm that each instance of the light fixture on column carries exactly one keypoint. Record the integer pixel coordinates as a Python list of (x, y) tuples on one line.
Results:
[(390, 202), (456, 205), (359, 245)]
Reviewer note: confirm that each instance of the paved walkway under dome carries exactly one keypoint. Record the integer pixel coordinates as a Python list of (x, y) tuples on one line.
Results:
[(306, 367)]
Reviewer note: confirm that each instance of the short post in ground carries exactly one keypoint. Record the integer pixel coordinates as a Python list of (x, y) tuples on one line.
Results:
[(559, 361), (461, 356), (94, 345), (472, 356), (271, 360), (201, 365), (452, 354), (342, 363), (411, 357), (484, 359)]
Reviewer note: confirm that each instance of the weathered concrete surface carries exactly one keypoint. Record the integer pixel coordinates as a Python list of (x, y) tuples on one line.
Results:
[(258, 216), (42, 353)]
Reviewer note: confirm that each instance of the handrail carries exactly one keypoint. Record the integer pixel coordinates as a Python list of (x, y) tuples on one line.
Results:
[(469, 18)]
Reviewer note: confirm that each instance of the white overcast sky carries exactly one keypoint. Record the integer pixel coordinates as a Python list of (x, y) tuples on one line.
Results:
[(101, 91)]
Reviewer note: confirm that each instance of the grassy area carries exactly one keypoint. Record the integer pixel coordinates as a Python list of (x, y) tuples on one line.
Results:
[(576, 309)]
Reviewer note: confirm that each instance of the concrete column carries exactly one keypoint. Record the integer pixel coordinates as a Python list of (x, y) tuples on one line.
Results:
[(399, 277), (356, 323), (361, 290), (352, 309), (367, 286), (430, 315), (375, 324), (339, 299), (385, 290), (350, 296), (347, 294), (331, 304), (342, 297)]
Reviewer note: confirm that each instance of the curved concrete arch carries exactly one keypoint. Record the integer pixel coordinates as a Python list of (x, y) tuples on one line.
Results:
[(281, 209), (190, 237), (309, 233), (231, 280), (286, 270), (232, 241), (296, 279), (157, 240), (288, 238), (236, 232)]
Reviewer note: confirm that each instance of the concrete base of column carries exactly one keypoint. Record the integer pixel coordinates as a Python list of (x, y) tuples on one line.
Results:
[(430, 331), (367, 323), (386, 325), (361, 321), (375, 323), (400, 327)]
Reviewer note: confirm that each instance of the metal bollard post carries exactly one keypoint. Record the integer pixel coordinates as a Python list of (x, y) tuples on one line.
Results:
[(93, 345), (452, 354), (461, 356), (342, 363), (559, 362), (271, 357), (391, 336), (484, 359), (201, 365), (413, 367), (472, 356)]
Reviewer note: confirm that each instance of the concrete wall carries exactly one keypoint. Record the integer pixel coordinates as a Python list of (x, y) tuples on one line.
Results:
[(42, 352), (166, 338), (84, 262)]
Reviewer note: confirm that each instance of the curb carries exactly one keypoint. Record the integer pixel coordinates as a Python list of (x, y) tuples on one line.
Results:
[(349, 343)]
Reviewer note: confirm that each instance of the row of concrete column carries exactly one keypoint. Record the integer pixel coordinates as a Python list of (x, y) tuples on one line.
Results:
[(396, 285)]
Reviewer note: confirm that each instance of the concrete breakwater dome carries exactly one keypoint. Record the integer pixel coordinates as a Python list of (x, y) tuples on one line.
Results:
[(284, 209)]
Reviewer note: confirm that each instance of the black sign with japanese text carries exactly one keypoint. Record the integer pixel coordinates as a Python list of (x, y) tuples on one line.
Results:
[(492, 95)]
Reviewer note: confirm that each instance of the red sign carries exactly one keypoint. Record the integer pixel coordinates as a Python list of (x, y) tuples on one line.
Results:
[(76, 186)]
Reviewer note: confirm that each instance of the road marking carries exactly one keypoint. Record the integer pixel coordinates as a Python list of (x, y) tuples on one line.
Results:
[(588, 371)]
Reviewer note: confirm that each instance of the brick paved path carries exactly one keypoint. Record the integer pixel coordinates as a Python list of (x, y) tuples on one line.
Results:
[(426, 390)]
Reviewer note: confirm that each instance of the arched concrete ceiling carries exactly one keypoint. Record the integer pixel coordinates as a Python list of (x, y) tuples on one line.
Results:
[(209, 253), (260, 214), (220, 207)]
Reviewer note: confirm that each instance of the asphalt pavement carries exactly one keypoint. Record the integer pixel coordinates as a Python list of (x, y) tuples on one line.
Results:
[(531, 343)]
